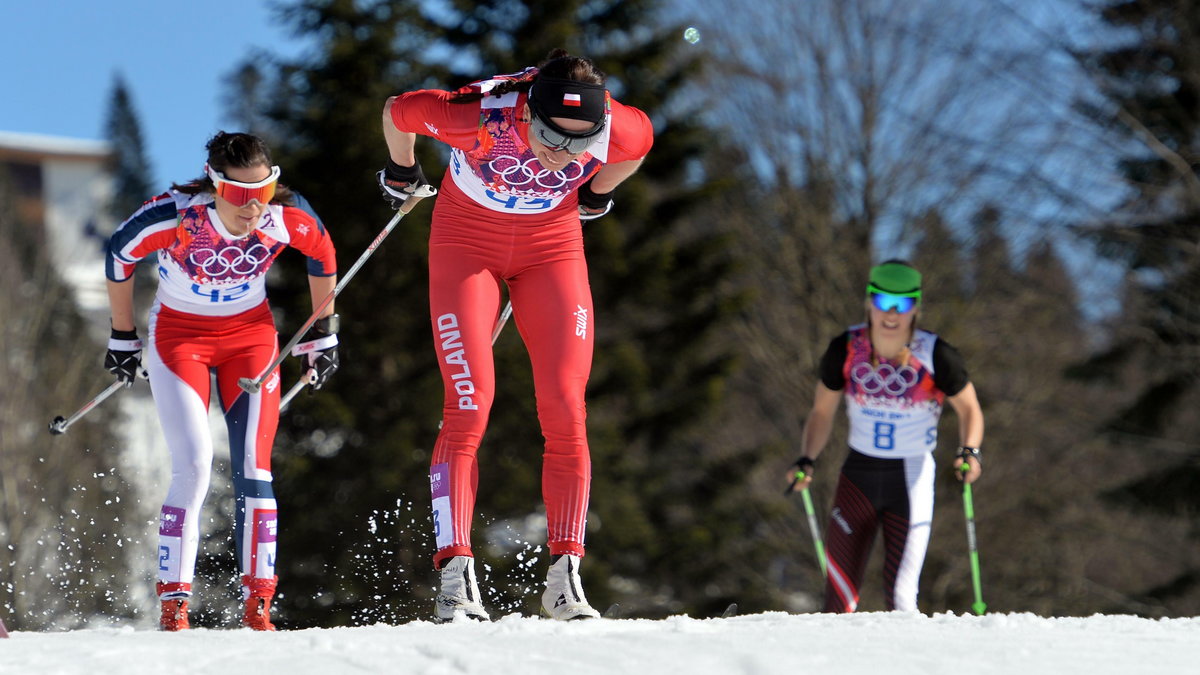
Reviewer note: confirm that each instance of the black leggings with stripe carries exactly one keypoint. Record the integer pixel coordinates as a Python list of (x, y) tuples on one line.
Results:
[(897, 493)]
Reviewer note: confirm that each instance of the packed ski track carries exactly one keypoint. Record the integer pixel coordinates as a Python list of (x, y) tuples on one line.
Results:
[(774, 642)]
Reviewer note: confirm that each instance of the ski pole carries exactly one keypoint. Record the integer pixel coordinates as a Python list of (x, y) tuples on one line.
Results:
[(500, 321), (291, 393), (812, 521), (969, 508), (253, 386), (503, 319), (59, 425)]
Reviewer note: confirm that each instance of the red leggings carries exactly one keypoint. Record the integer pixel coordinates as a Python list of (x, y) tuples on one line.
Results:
[(541, 260), (183, 351)]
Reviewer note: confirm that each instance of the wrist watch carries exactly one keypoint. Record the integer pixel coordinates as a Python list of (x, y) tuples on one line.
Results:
[(329, 324)]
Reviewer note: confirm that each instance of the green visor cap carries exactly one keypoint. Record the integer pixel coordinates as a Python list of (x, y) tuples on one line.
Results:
[(895, 278)]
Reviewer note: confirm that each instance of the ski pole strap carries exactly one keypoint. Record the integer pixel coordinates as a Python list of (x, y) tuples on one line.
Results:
[(124, 341), (124, 345), (965, 451), (320, 344)]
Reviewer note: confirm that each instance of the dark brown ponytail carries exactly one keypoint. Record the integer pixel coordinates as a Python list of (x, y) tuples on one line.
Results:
[(558, 63)]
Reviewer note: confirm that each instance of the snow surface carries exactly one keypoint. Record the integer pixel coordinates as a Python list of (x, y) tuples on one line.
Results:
[(818, 644)]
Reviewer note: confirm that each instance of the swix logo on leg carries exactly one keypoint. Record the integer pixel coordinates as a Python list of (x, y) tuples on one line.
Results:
[(581, 321), (836, 514), (268, 527), (273, 382), (451, 338)]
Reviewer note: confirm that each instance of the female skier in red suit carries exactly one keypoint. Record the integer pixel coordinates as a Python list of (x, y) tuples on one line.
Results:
[(532, 153)]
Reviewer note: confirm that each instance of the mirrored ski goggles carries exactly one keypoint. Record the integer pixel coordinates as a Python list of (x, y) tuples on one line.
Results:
[(886, 302), (555, 137), (239, 193)]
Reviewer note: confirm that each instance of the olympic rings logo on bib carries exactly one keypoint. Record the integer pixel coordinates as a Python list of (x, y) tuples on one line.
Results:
[(886, 378), (230, 261), (529, 173)]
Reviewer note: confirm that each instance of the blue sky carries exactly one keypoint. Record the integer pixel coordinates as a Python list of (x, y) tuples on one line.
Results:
[(60, 60), (61, 57)]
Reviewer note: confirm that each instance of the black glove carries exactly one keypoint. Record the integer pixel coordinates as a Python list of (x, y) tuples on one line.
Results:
[(124, 357), (323, 365), (592, 205), (400, 182), (319, 350), (806, 465)]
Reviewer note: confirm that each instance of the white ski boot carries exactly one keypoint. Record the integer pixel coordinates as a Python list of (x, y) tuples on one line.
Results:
[(564, 599), (460, 592)]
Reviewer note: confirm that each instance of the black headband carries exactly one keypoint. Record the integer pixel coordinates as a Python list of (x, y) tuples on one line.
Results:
[(557, 97)]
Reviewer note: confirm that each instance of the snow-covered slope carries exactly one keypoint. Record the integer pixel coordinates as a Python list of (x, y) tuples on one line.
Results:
[(808, 644)]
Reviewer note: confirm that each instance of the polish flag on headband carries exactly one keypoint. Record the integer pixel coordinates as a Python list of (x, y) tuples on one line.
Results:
[(572, 100)]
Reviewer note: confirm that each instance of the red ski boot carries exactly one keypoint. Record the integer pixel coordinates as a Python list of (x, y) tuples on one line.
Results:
[(174, 615), (258, 594)]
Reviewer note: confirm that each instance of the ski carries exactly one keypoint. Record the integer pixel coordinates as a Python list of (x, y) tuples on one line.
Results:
[(731, 610)]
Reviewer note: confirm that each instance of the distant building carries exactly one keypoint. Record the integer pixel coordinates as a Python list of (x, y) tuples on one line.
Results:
[(66, 186)]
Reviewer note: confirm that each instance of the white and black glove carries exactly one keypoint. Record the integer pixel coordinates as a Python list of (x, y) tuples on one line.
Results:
[(124, 357), (319, 351), (592, 205), (401, 182)]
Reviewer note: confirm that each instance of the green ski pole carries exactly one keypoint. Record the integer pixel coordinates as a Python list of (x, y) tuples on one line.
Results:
[(969, 508), (812, 522)]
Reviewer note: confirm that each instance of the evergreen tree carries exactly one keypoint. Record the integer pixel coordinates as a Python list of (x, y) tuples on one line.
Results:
[(659, 268), (357, 454), (131, 171), (1152, 86), (804, 281), (130, 167), (245, 98), (351, 461)]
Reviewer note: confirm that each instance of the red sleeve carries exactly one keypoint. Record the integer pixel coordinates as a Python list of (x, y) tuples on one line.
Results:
[(632, 134), (311, 238), (429, 112)]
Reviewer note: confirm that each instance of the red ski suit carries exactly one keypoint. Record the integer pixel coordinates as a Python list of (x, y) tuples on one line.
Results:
[(503, 217)]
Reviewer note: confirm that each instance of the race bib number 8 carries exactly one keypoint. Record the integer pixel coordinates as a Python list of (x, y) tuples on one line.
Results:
[(885, 436)]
